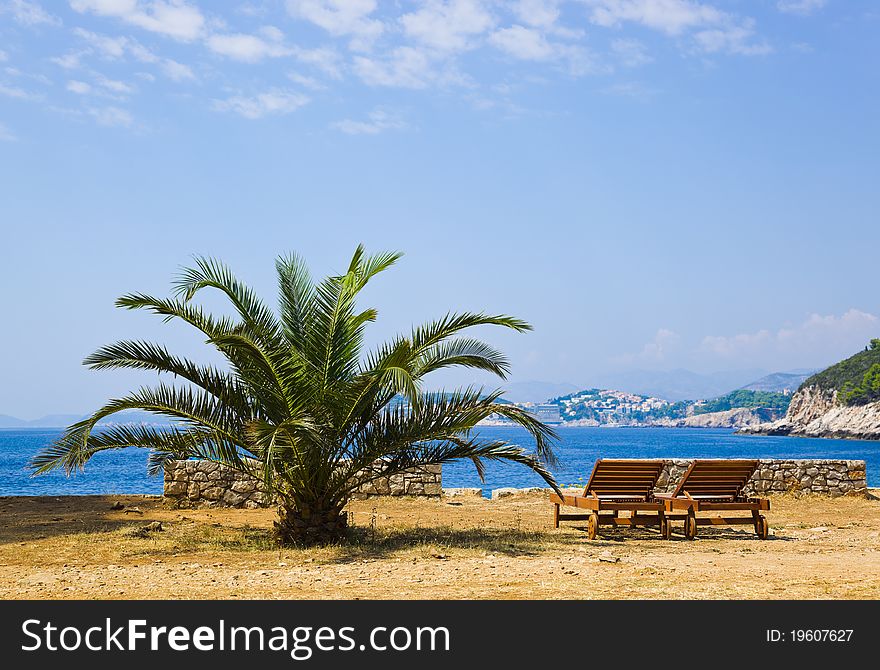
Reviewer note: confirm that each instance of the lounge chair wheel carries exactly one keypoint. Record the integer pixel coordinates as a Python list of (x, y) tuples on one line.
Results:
[(690, 525), (593, 526), (763, 528), (664, 528)]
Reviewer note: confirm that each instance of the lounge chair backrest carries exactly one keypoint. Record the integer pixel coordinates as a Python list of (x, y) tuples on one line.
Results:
[(621, 477), (716, 478)]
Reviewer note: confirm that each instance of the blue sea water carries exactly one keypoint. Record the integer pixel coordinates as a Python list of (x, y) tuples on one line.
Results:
[(125, 471)]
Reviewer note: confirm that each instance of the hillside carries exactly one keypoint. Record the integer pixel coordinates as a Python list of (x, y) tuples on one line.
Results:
[(744, 399), (856, 380), (602, 407), (842, 401)]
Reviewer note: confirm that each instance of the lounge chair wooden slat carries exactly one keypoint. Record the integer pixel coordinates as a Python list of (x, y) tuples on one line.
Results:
[(616, 485), (717, 485)]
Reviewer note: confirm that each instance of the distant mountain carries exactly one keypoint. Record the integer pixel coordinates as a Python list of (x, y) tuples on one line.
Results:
[(535, 391), (679, 384), (64, 420), (49, 421), (779, 382), (7, 421)]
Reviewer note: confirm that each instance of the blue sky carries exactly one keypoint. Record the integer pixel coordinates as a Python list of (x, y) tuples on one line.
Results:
[(653, 184)]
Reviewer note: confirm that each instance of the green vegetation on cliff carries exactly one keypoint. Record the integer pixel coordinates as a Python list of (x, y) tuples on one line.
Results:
[(856, 379), (746, 399)]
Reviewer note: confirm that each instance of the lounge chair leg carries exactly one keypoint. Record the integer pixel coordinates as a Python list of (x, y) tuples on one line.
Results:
[(690, 525), (556, 516), (763, 527), (664, 526), (593, 526)]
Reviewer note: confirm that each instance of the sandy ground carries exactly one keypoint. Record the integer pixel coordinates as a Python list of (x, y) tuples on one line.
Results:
[(78, 547)]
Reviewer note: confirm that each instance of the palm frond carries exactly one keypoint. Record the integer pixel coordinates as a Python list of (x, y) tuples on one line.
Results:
[(141, 355), (211, 273), (464, 352)]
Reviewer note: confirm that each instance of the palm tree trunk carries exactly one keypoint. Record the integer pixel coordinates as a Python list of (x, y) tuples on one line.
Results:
[(309, 523)]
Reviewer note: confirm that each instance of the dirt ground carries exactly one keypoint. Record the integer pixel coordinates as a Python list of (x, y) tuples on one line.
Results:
[(466, 547)]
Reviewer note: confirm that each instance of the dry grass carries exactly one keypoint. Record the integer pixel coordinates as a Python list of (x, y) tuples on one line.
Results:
[(77, 547)]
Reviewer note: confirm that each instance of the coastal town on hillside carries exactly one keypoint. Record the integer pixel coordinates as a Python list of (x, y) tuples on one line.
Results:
[(611, 408)]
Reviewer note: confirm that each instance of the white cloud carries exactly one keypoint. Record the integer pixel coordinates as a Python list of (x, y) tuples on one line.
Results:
[(69, 61), (672, 17), (3, 56), (800, 7), (273, 102), (141, 53), (15, 72), (732, 39), (341, 18), (176, 71), (173, 18), (378, 120), (531, 44), (117, 48), (815, 341), (6, 135), (248, 48), (79, 87), (114, 86), (630, 52), (28, 13), (325, 59), (447, 26), (404, 67), (713, 30), (306, 82), (18, 93), (540, 13), (523, 43), (112, 117), (112, 48), (658, 350), (102, 86)]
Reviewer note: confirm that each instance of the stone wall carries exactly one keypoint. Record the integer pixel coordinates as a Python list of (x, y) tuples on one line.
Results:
[(207, 484), (829, 477)]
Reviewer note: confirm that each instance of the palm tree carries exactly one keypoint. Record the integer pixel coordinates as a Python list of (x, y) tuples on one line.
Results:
[(298, 405)]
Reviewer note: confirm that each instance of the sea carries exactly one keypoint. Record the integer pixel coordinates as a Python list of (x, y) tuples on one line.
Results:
[(124, 471)]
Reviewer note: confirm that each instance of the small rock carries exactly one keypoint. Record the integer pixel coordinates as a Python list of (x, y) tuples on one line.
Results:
[(117, 506), (134, 510)]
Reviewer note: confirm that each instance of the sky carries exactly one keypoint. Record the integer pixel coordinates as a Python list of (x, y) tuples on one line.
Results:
[(653, 184)]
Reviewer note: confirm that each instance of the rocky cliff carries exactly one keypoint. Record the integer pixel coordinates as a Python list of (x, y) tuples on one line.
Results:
[(739, 417), (815, 412)]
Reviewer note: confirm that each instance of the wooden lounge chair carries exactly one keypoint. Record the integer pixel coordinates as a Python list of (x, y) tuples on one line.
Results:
[(716, 486), (617, 485)]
